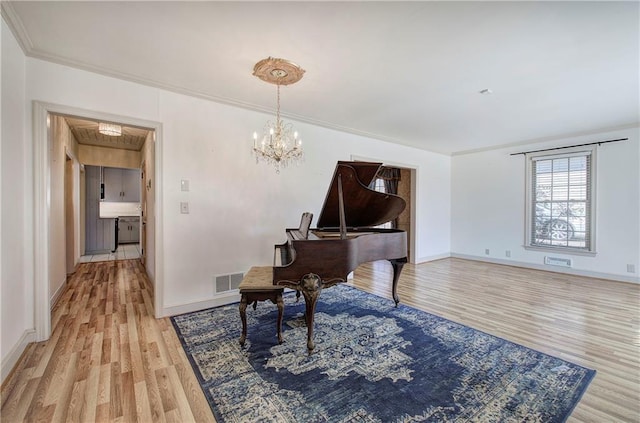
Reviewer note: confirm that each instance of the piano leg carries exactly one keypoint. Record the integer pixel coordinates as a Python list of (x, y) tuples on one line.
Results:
[(311, 286), (397, 265)]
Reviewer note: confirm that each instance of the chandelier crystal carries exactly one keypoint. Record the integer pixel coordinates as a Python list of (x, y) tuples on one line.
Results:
[(279, 144)]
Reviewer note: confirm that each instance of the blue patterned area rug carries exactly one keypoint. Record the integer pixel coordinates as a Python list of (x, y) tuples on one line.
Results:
[(372, 363)]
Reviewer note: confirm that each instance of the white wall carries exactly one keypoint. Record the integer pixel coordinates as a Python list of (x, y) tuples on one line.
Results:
[(16, 283), (488, 200), (238, 210)]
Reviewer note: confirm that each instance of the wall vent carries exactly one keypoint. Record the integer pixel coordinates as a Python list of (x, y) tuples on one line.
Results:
[(557, 261), (226, 283)]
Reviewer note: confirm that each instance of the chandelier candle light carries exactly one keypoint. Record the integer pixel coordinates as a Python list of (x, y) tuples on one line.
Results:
[(280, 144)]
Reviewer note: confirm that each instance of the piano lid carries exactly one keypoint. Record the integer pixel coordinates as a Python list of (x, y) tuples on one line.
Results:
[(363, 207)]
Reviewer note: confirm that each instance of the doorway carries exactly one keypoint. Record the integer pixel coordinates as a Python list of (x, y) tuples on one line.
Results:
[(143, 211), (406, 189), (43, 183), (114, 236), (69, 215)]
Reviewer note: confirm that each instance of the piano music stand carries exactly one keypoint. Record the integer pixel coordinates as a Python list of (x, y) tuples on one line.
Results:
[(257, 285)]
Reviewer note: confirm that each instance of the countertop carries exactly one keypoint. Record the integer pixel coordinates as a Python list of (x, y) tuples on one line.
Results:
[(112, 209)]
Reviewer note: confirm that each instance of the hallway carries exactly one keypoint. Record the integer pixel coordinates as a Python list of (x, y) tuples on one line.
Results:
[(108, 358), (123, 252)]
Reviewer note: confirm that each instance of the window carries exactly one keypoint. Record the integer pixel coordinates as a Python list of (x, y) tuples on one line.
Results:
[(560, 193), (380, 187)]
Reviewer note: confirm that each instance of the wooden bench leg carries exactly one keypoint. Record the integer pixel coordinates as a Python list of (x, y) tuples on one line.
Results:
[(243, 317), (280, 304), (246, 298)]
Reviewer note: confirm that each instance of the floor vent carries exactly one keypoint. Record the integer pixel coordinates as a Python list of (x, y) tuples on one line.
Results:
[(230, 282), (557, 261)]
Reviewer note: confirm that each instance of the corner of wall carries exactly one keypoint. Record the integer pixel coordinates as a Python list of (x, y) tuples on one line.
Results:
[(433, 257), (12, 358)]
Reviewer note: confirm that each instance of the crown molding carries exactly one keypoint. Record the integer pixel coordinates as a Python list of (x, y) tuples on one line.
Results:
[(16, 26), (550, 138), (19, 31), (34, 53)]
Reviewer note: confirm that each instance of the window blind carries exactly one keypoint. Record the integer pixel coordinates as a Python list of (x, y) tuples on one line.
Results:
[(561, 201)]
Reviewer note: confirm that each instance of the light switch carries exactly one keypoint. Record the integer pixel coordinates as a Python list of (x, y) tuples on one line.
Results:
[(184, 185), (184, 207)]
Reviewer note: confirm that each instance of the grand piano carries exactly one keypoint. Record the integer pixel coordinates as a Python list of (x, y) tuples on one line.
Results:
[(313, 259)]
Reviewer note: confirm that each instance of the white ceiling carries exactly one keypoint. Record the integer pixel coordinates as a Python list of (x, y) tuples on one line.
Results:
[(405, 72)]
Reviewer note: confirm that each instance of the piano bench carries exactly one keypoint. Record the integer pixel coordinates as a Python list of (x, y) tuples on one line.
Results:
[(257, 285)]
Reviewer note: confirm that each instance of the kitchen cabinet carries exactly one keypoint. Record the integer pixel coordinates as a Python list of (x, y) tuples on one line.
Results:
[(128, 230), (121, 184), (99, 233), (135, 231)]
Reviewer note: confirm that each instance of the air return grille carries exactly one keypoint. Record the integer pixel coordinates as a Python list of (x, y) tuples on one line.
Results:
[(230, 282), (557, 261)]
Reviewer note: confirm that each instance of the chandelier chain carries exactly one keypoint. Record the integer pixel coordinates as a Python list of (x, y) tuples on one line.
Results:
[(278, 124)]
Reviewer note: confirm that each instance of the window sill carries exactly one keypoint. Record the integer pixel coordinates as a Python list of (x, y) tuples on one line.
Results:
[(560, 250)]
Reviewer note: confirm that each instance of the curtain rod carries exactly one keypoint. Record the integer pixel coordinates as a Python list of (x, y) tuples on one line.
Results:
[(570, 146)]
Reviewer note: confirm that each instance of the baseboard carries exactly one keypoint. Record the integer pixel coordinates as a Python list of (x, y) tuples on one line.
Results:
[(56, 295), (546, 268), (234, 296), (231, 297), (13, 356), (432, 258)]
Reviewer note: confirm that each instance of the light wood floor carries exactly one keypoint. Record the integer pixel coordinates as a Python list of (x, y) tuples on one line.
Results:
[(108, 359), (591, 322)]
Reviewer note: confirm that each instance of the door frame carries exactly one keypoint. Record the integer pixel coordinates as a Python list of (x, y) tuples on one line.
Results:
[(414, 196), (70, 213), (143, 215), (42, 211)]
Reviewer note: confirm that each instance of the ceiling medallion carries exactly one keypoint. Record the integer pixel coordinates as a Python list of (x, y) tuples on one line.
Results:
[(278, 71), (280, 144)]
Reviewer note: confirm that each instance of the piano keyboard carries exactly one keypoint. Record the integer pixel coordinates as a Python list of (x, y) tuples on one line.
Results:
[(281, 255)]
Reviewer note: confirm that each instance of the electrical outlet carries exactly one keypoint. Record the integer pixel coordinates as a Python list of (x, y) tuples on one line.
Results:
[(184, 208), (631, 268), (507, 253), (486, 251)]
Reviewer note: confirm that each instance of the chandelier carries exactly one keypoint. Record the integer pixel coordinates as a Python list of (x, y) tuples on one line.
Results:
[(280, 144), (109, 129)]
